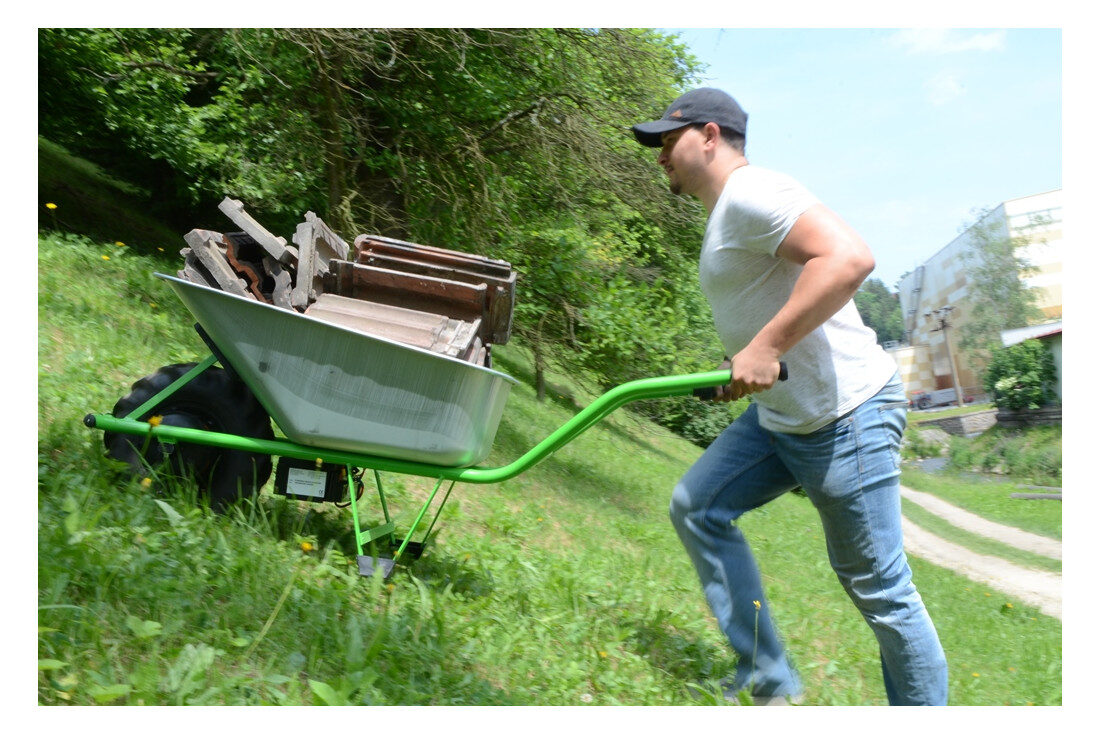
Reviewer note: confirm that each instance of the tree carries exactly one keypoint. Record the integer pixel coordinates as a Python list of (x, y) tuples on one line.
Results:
[(998, 296), (1021, 377), (880, 310), (511, 143)]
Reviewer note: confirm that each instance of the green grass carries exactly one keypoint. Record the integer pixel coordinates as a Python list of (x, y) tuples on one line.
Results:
[(90, 201), (1032, 455), (563, 586), (991, 499)]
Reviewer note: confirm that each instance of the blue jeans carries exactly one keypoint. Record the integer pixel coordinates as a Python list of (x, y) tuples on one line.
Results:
[(850, 470)]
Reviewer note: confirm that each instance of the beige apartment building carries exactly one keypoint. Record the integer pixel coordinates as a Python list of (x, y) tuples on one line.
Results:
[(939, 288)]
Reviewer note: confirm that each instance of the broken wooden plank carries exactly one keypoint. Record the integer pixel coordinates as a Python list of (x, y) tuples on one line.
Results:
[(427, 253), (193, 270), (334, 246), (275, 246), (241, 251), (281, 283), (477, 353), (207, 246), (406, 262), (317, 245), (461, 301), (427, 331), (501, 294), (300, 295), (390, 254)]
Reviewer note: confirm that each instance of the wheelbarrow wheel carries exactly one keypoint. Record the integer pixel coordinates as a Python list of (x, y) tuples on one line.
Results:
[(214, 400)]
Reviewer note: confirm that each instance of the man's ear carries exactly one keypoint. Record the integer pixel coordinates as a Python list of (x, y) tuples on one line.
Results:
[(712, 134)]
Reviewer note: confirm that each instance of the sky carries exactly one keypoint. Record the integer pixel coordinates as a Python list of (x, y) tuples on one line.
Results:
[(904, 133)]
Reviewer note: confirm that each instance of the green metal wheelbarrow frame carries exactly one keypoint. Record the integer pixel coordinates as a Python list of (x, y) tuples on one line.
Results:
[(654, 387)]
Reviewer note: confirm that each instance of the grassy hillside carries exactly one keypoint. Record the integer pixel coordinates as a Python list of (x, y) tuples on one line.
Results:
[(564, 586)]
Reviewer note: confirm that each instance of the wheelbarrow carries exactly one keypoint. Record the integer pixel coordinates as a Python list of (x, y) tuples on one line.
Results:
[(346, 402)]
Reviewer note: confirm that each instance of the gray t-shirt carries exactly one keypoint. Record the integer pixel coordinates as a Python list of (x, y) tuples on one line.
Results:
[(835, 368)]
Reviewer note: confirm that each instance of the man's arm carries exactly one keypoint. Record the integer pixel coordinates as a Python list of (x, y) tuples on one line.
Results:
[(835, 260)]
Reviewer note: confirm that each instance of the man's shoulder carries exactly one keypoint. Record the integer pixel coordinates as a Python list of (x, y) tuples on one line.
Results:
[(750, 177), (755, 189)]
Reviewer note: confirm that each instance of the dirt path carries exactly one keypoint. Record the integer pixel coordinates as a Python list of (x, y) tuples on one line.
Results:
[(978, 525), (1036, 587)]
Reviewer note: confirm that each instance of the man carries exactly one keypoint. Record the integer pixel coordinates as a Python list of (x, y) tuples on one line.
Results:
[(779, 270)]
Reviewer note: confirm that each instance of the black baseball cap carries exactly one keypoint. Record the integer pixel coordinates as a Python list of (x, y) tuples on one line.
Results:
[(697, 107)]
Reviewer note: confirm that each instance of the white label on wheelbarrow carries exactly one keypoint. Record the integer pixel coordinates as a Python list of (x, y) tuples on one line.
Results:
[(301, 482)]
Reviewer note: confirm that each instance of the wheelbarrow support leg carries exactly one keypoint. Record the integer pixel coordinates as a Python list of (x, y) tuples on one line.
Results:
[(368, 565)]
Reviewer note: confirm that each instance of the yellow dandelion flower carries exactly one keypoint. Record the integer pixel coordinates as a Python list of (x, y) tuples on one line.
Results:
[(160, 249), (306, 546), (975, 674), (146, 482), (756, 605), (155, 420), (120, 244), (51, 207), (603, 655), (1011, 669), (105, 257), (390, 587), (1008, 605), (540, 519)]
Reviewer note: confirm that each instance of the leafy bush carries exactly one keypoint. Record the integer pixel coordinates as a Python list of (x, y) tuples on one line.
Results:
[(1021, 376), (698, 422), (916, 445)]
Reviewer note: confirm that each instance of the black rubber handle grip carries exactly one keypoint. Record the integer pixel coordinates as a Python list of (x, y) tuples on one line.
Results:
[(709, 393)]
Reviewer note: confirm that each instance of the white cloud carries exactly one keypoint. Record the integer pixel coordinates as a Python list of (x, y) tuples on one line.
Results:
[(939, 41), (943, 88)]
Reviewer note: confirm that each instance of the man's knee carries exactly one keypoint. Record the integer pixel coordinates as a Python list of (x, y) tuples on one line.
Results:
[(681, 506), (885, 600)]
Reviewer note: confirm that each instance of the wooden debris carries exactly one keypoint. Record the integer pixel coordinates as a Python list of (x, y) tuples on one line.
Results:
[(194, 271), (448, 302), (438, 263), (207, 246), (275, 246), (282, 283), (403, 325), (318, 245), (449, 298), (240, 251)]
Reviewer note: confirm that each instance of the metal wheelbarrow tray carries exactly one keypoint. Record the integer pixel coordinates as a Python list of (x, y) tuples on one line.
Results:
[(332, 387)]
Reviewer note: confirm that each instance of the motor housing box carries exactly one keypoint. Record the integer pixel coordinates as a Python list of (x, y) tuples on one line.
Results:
[(315, 481)]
